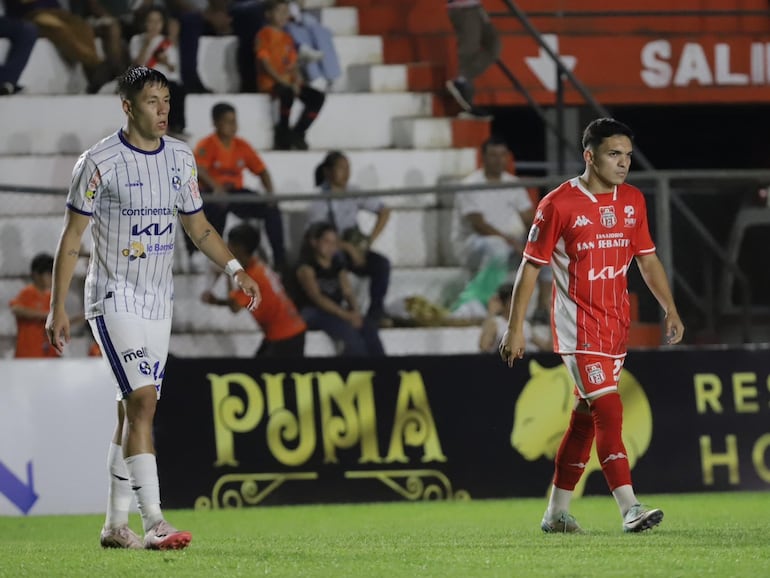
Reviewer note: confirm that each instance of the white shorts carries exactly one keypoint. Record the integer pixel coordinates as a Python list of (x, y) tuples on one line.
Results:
[(135, 349)]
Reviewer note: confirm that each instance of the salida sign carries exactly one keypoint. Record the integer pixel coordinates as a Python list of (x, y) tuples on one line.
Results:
[(633, 69)]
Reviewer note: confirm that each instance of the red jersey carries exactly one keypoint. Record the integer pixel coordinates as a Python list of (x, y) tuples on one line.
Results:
[(225, 164), (590, 241), (276, 314), (31, 339)]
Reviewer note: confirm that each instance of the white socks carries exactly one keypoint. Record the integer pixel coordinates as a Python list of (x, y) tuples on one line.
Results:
[(119, 494), (143, 473), (625, 497), (558, 502)]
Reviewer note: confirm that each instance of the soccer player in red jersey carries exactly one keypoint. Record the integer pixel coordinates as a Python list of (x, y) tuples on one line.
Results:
[(589, 229)]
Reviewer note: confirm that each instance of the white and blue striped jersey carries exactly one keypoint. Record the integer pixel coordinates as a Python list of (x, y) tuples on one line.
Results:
[(133, 198)]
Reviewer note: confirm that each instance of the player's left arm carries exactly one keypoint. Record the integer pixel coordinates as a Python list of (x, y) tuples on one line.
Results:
[(654, 276), (213, 246)]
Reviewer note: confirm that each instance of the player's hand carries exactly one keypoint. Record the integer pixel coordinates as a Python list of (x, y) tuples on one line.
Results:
[(208, 297), (57, 328), (511, 346), (674, 328), (250, 287)]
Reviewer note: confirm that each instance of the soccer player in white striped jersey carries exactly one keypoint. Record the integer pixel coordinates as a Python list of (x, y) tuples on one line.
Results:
[(590, 228), (131, 187)]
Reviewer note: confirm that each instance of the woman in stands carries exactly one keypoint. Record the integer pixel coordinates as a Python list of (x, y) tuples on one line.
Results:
[(335, 207), (325, 296)]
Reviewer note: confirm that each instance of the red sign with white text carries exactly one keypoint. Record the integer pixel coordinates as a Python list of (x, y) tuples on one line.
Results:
[(640, 69)]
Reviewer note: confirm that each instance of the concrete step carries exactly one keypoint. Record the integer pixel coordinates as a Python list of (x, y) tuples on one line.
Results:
[(82, 121), (341, 20), (292, 173), (427, 132)]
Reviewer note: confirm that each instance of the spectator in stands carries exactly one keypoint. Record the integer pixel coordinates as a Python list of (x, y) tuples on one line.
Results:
[(325, 297), (283, 327), (538, 336), (30, 307), (108, 19), (315, 48), (222, 158), (156, 48), (279, 76), (22, 36), (478, 47), (71, 34), (489, 228), (332, 177)]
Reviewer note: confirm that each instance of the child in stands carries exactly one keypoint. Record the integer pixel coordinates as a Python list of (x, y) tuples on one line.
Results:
[(279, 76), (279, 319), (30, 307)]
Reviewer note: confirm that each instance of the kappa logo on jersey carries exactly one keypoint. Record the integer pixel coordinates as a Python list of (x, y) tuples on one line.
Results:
[(135, 251), (539, 217), (595, 373), (609, 219), (630, 221), (582, 221)]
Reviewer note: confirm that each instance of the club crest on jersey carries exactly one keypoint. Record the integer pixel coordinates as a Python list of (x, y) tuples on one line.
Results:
[(176, 182), (609, 219), (135, 251), (144, 367), (595, 373)]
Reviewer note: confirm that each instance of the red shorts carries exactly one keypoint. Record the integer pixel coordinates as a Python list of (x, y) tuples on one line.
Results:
[(594, 375)]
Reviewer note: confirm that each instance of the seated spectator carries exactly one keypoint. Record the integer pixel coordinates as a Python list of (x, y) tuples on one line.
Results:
[(22, 36), (325, 296), (489, 227), (538, 336), (282, 325), (30, 307), (315, 48), (111, 21), (332, 176), (222, 158), (155, 48), (71, 34), (279, 76)]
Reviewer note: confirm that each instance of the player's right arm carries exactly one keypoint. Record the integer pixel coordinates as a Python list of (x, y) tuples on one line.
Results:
[(67, 253), (513, 341)]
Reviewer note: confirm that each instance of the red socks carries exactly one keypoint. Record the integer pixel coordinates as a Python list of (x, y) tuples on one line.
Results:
[(607, 413), (574, 451)]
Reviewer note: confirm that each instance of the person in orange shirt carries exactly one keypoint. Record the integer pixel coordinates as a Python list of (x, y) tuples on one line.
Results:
[(30, 307), (222, 157), (277, 315), (279, 76)]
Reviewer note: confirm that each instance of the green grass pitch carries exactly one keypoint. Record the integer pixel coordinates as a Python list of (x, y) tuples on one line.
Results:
[(721, 535)]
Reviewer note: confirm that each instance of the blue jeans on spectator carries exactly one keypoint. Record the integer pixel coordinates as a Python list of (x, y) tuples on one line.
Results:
[(355, 342), (377, 268), (311, 33), (22, 35)]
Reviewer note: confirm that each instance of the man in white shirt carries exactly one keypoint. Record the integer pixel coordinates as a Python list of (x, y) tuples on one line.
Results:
[(489, 227), (130, 188)]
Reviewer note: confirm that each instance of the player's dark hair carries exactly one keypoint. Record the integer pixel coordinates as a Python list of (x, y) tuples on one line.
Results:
[(41, 263), (312, 235), (603, 128), (245, 236), (492, 141), (135, 78), (220, 109), (326, 165)]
